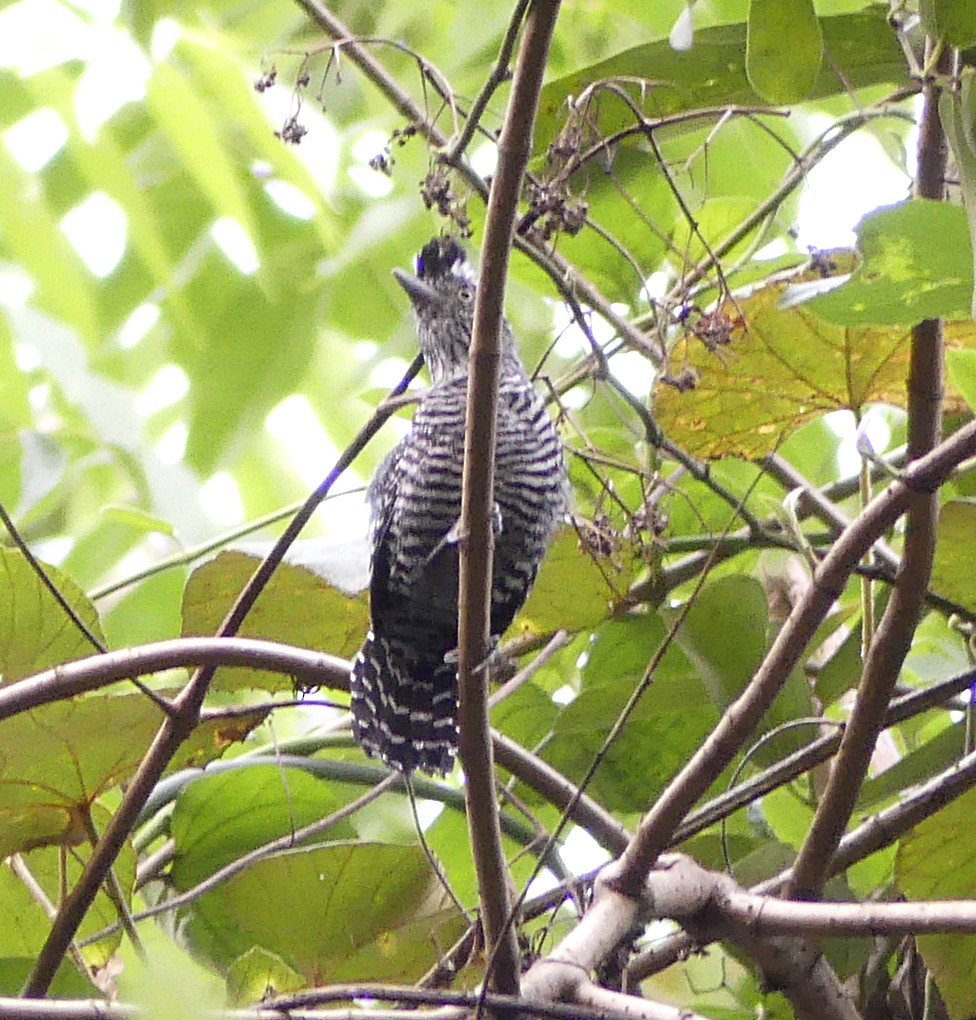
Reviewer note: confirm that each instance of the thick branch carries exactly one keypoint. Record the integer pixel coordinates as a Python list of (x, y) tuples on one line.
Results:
[(876, 833), (316, 669), (477, 500), (555, 788)]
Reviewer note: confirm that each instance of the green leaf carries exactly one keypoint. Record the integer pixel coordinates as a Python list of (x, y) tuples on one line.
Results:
[(670, 719), (726, 634), (104, 165), (951, 20), (952, 573), (784, 49), (14, 406), (915, 767), (137, 519), (53, 870), (338, 912), (961, 365), (525, 716), (258, 975), (32, 237), (35, 632), (67, 984), (150, 611), (196, 137), (917, 263), (167, 982), (59, 758), (223, 78), (261, 341), (575, 588), (937, 860), (712, 73), (220, 817), (297, 607)]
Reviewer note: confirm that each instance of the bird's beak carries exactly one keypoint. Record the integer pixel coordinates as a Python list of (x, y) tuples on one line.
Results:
[(420, 293)]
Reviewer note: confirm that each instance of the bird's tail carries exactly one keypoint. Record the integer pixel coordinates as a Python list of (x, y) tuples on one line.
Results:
[(405, 713)]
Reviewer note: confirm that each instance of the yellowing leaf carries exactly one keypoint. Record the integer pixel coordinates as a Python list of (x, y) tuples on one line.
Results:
[(55, 761), (775, 368)]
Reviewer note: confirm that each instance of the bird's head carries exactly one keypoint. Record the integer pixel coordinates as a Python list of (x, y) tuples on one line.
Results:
[(442, 294)]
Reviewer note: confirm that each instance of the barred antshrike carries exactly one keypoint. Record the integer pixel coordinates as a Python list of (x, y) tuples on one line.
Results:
[(404, 679)]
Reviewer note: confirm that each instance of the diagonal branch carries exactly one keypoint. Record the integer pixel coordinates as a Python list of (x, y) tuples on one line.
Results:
[(572, 284), (877, 832)]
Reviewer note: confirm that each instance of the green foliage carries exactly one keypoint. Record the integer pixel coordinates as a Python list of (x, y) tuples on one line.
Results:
[(297, 608), (936, 860), (60, 758), (915, 264), (217, 818), (191, 359), (950, 573), (951, 20), (784, 48), (36, 631), (371, 911)]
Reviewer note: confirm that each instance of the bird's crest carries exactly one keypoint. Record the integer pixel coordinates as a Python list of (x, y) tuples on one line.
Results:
[(442, 257)]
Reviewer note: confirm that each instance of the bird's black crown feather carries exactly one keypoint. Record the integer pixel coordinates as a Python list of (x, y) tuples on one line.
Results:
[(442, 257)]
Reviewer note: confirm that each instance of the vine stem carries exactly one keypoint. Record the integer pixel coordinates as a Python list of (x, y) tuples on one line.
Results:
[(893, 639)]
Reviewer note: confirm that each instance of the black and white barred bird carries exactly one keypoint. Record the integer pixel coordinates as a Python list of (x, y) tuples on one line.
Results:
[(404, 679)]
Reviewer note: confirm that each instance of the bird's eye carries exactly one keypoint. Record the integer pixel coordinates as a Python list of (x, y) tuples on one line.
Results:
[(466, 294)]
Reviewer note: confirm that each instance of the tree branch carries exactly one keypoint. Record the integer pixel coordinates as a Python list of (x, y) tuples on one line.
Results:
[(314, 668), (572, 284), (876, 833), (556, 789), (499, 72), (477, 500)]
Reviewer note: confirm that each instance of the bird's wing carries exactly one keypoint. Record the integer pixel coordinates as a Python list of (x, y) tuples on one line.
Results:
[(416, 500)]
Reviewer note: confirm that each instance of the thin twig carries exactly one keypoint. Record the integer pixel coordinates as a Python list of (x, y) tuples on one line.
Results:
[(571, 284), (499, 73), (42, 575)]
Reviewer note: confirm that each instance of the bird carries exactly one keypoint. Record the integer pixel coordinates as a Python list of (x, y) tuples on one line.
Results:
[(403, 683)]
